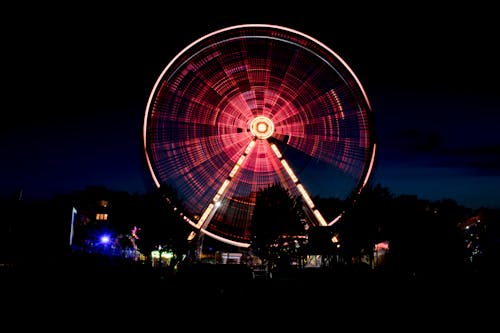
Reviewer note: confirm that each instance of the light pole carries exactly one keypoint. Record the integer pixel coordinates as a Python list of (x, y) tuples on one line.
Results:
[(72, 230)]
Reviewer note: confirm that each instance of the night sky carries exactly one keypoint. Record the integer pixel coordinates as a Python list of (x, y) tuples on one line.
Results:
[(77, 80)]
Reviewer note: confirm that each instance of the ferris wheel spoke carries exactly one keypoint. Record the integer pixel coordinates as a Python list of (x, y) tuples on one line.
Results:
[(303, 192), (209, 212)]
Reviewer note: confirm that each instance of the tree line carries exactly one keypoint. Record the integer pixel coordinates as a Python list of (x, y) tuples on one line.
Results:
[(424, 236)]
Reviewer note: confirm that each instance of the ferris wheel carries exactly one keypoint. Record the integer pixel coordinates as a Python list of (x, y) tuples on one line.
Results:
[(249, 106)]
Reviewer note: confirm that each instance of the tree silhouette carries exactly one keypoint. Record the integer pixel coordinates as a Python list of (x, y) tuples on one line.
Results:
[(161, 222), (278, 216), (366, 221)]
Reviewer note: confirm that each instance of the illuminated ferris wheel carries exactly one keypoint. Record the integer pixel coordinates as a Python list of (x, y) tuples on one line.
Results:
[(249, 106)]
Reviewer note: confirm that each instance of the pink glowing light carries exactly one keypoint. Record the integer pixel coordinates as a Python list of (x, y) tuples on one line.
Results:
[(265, 84)]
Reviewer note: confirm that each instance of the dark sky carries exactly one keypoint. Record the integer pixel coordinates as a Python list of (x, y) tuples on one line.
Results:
[(76, 83)]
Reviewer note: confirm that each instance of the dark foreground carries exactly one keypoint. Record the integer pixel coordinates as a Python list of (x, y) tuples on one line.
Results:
[(87, 290)]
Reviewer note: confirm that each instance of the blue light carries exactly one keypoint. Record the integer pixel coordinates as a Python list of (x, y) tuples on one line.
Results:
[(105, 239)]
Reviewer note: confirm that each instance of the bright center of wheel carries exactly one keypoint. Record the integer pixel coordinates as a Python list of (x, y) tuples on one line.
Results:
[(262, 127)]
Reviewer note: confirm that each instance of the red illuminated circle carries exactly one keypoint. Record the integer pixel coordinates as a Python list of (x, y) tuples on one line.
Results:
[(249, 106)]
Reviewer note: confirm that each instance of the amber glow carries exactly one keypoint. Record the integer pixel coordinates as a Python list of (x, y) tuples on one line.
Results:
[(262, 127)]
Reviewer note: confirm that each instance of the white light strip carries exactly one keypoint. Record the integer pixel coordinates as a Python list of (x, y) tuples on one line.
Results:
[(290, 171), (241, 159), (233, 172), (301, 188), (320, 218), (335, 220), (225, 240), (276, 151), (370, 167), (249, 148), (305, 195), (223, 187), (205, 215), (210, 211)]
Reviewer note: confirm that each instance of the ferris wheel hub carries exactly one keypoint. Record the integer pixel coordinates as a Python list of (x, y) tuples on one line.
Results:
[(262, 127)]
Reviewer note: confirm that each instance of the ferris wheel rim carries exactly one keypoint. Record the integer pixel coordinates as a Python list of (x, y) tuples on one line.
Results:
[(366, 173)]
